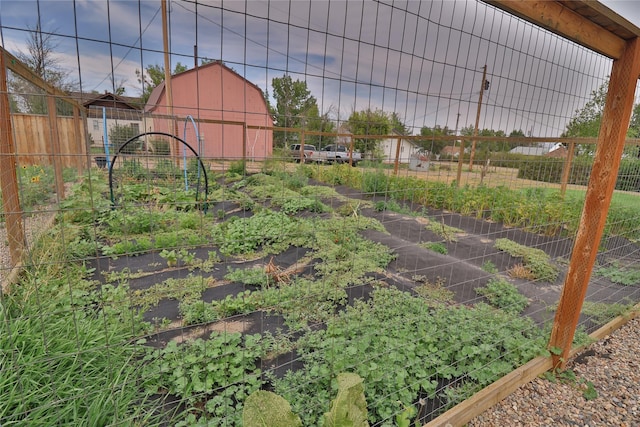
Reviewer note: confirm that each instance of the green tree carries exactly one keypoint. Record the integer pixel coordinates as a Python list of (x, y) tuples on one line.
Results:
[(153, 76), (586, 121), (397, 124), (295, 107), (319, 123), (367, 122), (484, 148), (634, 126), (430, 144), (517, 134)]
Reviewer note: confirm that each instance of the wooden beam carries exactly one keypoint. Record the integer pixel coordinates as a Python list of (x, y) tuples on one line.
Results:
[(604, 173), (489, 396), (565, 22), (8, 175), (17, 67), (494, 393)]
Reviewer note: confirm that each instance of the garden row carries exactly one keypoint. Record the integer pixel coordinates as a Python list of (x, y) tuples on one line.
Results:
[(288, 261)]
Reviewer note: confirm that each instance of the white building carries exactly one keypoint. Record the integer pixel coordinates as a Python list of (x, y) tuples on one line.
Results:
[(390, 145)]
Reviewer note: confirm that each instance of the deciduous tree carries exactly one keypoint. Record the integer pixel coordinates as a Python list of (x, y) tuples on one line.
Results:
[(295, 107), (367, 122), (153, 76)]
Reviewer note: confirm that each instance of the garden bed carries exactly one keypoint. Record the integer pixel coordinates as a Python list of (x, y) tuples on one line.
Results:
[(281, 282)]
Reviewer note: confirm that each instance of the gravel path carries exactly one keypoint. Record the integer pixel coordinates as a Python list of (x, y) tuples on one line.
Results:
[(611, 365)]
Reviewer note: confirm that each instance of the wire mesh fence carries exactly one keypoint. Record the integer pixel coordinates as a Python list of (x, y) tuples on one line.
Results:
[(362, 205)]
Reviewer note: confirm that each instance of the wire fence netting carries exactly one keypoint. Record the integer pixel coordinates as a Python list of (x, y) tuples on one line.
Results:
[(331, 209)]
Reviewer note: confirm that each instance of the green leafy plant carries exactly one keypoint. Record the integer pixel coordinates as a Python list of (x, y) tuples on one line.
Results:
[(536, 260), (249, 276), (349, 408), (504, 295), (266, 409), (617, 273), (271, 231), (490, 267), (569, 377), (170, 256), (438, 247), (447, 232), (217, 374), (435, 292)]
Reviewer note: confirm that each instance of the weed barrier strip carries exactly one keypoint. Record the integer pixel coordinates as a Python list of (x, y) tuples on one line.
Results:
[(491, 395)]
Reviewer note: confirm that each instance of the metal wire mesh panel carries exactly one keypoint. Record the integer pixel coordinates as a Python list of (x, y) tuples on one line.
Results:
[(307, 210)]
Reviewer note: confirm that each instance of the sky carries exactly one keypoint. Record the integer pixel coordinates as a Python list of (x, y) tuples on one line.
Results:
[(423, 60)]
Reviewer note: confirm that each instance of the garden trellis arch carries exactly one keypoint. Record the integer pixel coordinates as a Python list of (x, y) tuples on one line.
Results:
[(113, 161)]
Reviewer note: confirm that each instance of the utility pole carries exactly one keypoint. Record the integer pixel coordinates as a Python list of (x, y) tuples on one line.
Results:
[(455, 132), (484, 86)]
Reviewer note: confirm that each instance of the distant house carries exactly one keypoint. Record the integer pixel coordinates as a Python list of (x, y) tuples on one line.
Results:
[(214, 93), (389, 148), (546, 149), (110, 110)]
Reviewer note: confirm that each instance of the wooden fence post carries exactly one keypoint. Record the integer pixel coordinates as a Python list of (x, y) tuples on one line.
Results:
[(395, 165), (566, 168), (301, 146), (81, 146), (55, 145), (611, 139), (8, 175), (460, 161), (351, 142)]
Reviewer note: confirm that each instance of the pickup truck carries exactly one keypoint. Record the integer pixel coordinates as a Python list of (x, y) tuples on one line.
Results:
[(294, 151), (335, 153)]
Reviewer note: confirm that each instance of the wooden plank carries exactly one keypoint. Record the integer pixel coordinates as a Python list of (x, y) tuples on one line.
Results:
[(497, 391), (81, 147), (566, 171), (604, 172), (462, 413), (8, 175), (565, 22), (15, 65), (55, 154)]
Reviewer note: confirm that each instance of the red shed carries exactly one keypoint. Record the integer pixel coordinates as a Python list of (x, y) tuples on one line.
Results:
[(214, 92)]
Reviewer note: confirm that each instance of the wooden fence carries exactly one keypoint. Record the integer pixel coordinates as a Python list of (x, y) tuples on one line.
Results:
[(35, 144)]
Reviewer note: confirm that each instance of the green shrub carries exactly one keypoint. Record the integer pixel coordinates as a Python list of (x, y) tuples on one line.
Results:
[(375, 183), (238, 167), (161, 147), (119, 134)]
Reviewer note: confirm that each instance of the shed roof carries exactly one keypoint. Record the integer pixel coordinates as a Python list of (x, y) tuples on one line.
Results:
[(157, 92)]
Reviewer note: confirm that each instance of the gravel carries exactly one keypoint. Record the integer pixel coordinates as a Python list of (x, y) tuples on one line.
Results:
[(611, 366)]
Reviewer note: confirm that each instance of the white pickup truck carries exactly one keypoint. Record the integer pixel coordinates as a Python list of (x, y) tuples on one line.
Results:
[(294, 151), (335, 153)]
